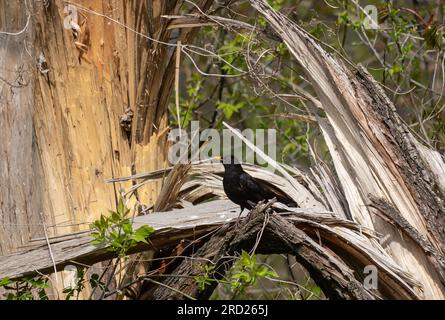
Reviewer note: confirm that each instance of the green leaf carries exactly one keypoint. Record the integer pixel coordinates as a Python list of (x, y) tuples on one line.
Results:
[(128, 228), (142, 233), (115, 217), (5, 281), (121, 207), (116, 232), (264, 272), (116, 244), (396, 68), (243, 276), (316, 291), (229, 109), (245, 258)]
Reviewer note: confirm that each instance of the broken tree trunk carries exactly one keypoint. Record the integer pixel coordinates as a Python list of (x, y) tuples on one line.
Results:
[(77, 248), (387, 182), (18, 197), (374, 154), (278, 236), (335, 251), (79, 104), (75, 109)]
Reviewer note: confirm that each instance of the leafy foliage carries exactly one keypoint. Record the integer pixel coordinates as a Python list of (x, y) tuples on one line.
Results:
[(78, 287), (245, 272), (404, 53), (229, 108), (26, 288), (205, 278), (116, 231)]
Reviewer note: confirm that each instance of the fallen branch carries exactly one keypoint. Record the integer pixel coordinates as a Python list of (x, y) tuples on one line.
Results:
[(170, 228), (373, 152), (280, 236), (339, 273)]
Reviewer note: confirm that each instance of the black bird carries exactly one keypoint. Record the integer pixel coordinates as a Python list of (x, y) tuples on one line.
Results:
[(245, 190)]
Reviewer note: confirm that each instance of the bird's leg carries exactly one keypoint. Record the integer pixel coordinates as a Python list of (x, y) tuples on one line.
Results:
[(252, 205), (239, 216)]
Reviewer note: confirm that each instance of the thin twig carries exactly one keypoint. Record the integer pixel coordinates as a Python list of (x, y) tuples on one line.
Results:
[(178, 61), (49, 247)]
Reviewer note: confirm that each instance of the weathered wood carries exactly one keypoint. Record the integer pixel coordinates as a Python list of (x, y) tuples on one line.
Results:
[(170, 227), (279, 236), (400, 147), (329, 271), (62, 117), (351, 244), (372, 151), (391, 215), (18, 192), (62, 106), (184, 274)]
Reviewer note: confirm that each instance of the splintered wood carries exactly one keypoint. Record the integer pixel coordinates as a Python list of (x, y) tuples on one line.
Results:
[(373, 153), (320, 227)]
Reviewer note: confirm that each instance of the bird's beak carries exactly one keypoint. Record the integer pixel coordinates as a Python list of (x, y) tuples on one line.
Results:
[(219, 158)]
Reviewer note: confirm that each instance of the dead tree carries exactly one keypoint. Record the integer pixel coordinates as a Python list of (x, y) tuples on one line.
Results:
[(382, 204), (389, 181), (332, 249), (84, 94)]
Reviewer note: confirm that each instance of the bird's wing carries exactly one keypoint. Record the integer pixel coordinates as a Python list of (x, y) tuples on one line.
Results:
[(258, 190), (280, 195), (253, 189)]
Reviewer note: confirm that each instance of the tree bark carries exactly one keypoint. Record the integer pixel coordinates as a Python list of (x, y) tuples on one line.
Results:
[(279, 236), (374, 153), (76, 109), (20, 201)]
